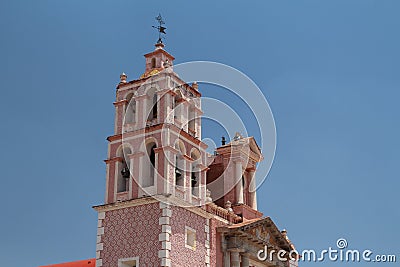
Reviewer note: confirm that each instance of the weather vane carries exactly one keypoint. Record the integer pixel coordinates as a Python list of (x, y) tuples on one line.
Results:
[(160, 28)]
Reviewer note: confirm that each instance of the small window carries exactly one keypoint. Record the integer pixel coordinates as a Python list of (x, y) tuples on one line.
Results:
[(190, 238), (128, 262), (153, 63)]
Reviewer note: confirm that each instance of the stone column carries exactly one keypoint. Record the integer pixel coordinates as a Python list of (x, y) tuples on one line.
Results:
[(159, 170), (169, 99), (111, 179), (227, 259), (135, 188), (119, 113), (129, 181), (162, 106), (123, 113), (238, 180), (185, 115), (252, 190), (169, 173), (235, 259), (198, 127), (141, 111), (188, 173), (187, 179), (141, 161), (245, 261), (158, 106), (177, 109), (202, 183)]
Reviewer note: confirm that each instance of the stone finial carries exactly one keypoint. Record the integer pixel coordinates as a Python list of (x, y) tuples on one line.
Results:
[(237, 136), (284, 232), (195, 86), (228, 206), (123, 77), (159, 45), (208, 196)]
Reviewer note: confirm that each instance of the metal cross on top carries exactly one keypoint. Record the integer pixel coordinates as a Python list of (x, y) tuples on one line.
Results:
[(160, 28)]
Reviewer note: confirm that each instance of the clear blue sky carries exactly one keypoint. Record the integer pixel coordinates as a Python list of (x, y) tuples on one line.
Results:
[(329, 69)]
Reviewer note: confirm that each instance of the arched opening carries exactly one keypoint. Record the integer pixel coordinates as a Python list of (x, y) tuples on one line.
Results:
[(123, 169), (154, 111), (179, 164), (153, 62)]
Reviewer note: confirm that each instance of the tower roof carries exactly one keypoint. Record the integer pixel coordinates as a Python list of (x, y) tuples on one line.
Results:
[(159, 49), (239, 141)]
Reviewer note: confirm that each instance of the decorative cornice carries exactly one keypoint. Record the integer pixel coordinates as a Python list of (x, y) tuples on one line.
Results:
[(242, 229), (165, 198), (159, 51), (125, 204), (182, 101), (121, 85), (108, 161), (152, 128), (186, 85), (120, 103), (114, 137), (187, 157)]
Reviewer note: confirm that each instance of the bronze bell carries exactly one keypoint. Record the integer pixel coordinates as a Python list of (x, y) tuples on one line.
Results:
[(125, 172), (178, 172), (194, 180)]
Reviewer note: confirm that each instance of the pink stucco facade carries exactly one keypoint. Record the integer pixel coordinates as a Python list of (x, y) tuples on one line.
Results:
[(131, 232), (181, 255)]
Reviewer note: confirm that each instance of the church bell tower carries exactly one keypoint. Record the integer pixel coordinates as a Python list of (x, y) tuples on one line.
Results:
[(156, 148), (160, 181), (155, 153)]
